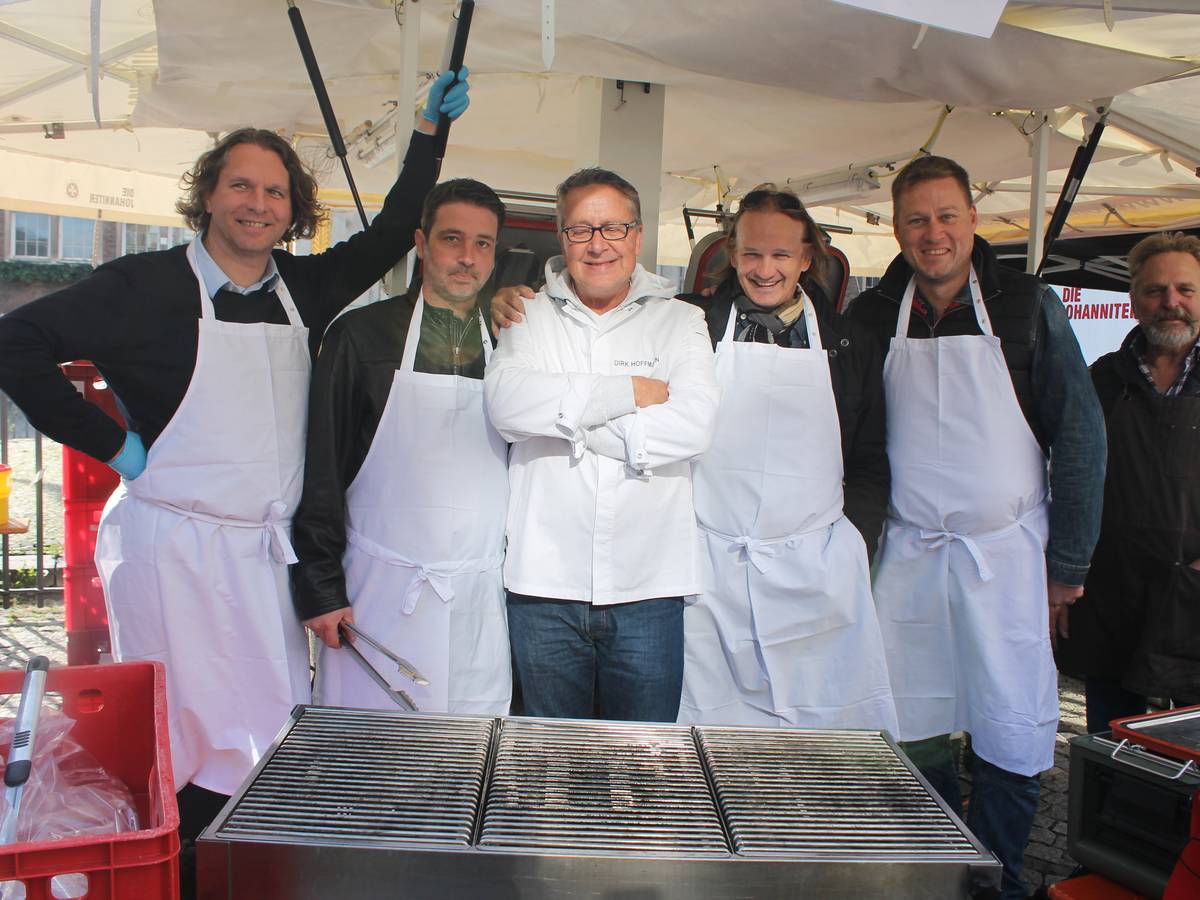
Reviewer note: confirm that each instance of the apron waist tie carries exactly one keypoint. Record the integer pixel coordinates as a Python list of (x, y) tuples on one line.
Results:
[(277, 543), (760, 552), (935, 538), (436, 575)]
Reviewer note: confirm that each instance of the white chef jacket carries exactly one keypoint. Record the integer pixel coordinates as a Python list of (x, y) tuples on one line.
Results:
[(600, 503)]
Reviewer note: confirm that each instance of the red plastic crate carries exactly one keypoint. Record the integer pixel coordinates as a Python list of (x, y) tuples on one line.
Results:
[(1090, 887), (85, 478), (121, 718), (83, 598), (86, 616), (81, 522)]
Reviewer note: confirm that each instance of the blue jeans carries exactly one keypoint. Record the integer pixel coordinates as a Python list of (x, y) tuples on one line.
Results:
[(573, 657), (1003, 805)]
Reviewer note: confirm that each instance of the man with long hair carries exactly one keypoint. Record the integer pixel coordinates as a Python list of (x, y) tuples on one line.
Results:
[(790, 498), (208, 349)]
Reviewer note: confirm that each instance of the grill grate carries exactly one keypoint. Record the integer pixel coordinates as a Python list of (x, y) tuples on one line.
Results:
[(842, 794), (599, 787), (360, 777)]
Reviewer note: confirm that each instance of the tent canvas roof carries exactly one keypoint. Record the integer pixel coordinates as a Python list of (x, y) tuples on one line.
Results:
[(770, 90)]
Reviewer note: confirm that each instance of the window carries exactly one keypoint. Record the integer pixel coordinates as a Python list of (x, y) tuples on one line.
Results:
[(143, 238), (31, 235), (75, 238)]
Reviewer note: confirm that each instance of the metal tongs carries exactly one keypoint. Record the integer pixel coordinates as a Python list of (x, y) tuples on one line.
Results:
[(407, 669), (20, 755)]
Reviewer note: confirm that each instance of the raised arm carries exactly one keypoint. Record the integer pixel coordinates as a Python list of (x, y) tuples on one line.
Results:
[(349, 268)]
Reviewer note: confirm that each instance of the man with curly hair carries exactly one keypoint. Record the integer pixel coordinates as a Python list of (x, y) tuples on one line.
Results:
[(208, 349)]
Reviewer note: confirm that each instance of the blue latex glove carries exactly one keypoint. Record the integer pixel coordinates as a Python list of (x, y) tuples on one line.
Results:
[(445, 98), (131, 461)]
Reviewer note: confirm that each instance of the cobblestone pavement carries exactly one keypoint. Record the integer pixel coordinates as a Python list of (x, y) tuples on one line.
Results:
[(26, 630), (1046, 857)]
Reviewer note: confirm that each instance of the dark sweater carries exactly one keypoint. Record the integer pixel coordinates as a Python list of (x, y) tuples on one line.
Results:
[(136, 319)]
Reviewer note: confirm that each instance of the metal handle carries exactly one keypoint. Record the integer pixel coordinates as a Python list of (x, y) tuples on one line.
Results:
[(20, 756), (322, 95), (407, 669), (1132, 748), (400, 698)]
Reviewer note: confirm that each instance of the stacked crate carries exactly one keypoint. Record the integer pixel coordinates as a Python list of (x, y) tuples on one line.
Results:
[(87, 485)]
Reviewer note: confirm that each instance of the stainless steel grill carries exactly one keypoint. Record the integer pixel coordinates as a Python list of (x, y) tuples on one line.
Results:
[(368, 777), (841, 794), (377, 804), (599, 787)]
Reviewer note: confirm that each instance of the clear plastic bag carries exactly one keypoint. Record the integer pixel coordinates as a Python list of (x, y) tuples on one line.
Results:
[(68, 794)]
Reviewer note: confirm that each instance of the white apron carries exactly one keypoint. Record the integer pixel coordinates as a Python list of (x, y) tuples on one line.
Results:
[(193, 553), (960, 581), (785, 631), (425, 549)]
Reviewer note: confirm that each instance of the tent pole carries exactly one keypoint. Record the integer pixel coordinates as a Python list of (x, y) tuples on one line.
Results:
[(322, 95), (398, 279), (1075, 176), (1182, 152), (1040, 153)]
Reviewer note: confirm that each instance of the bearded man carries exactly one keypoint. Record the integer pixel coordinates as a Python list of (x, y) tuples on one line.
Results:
[(1135, 632)]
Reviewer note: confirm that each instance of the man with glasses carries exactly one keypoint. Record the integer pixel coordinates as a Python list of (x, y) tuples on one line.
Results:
[(606, 389)]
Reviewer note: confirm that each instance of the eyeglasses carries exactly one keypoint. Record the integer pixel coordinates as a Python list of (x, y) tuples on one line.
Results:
[(610, 231)]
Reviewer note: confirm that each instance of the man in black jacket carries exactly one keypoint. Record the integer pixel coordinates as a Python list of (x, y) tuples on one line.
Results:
[(982, 553), (401, 525), (1137, 633), (790, 497)]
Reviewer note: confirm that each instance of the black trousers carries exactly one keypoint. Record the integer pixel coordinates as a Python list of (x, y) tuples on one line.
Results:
[(197, 808)]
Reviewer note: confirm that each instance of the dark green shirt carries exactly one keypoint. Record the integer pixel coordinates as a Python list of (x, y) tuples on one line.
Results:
[(450, 345)]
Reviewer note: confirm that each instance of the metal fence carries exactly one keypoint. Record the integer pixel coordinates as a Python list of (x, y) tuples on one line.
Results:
[(13, 425)]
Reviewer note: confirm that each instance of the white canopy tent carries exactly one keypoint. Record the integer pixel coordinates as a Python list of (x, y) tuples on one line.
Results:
[(830, 98)]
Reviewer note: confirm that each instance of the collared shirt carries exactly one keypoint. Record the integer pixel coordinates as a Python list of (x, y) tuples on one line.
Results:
[(215, 278), (926, 310), (1138, 346)]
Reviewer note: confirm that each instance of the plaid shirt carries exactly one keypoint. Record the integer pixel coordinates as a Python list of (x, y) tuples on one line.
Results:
[(1138, 346)]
